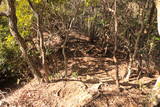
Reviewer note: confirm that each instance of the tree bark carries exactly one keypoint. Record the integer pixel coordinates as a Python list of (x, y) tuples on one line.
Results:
[(14, 32), (115, 45)]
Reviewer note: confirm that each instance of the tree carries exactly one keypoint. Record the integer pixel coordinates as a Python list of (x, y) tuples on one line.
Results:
[(41, 39), (12, 21), (115, 44)]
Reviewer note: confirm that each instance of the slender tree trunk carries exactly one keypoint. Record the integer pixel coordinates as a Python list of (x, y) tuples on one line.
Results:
[(115, 44), (63, 49), (14, 31), (136, 46), (150, 19), (41, 40), (65, 57)]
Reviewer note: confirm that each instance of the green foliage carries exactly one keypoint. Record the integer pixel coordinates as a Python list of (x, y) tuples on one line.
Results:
[(57, 75), (93, 17), (10, 55), (157, 38), (75, 74), (8, 48), (3, 28), (3, 6), (91, 2), (24, 15), (37, 1)]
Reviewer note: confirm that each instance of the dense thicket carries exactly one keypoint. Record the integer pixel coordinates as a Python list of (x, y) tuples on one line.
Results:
[(137, 38)]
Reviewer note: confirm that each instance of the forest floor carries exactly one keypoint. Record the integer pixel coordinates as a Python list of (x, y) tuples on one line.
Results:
[(90, 83), (82, 91)]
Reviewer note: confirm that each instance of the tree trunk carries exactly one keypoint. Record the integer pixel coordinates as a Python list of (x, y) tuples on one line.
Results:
[(14, 32), (136, 47), (115, 45), (44, 68)]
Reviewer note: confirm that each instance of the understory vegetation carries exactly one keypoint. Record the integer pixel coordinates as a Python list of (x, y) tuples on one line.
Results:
[(40, 38)]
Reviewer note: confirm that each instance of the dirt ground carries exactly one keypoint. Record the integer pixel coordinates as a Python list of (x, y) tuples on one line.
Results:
[(88, 86)]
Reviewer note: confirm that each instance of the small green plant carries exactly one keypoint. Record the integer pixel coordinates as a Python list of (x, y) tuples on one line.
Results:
[(50, 77), (75, 74), (58, 75)]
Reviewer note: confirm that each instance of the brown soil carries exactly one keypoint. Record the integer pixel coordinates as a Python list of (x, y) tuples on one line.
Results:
[(95, 88)]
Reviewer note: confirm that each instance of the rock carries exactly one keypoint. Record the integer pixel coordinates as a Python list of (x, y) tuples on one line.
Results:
[(75, 94)]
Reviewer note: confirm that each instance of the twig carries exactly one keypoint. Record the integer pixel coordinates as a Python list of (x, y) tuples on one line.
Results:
[(63, 48)]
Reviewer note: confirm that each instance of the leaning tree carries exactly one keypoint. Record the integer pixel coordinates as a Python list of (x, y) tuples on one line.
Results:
[(12, 23)]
